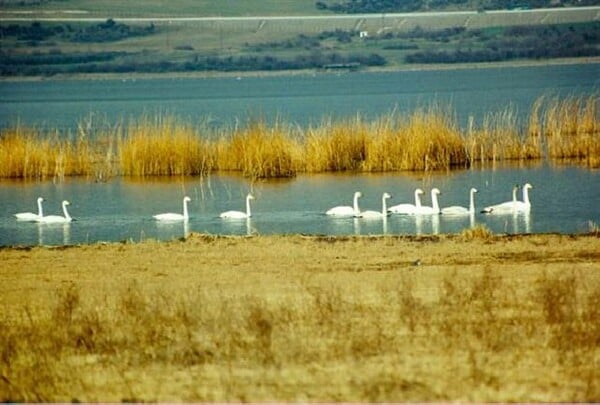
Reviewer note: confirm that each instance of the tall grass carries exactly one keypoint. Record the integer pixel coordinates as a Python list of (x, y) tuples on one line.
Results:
[(163, 147), (499, 139), (426, 139), (24, 153), (572, 129), (259, 151), (336, 146), (432, 142), (479, 335)]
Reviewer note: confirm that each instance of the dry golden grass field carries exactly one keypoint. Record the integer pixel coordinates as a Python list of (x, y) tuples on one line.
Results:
[(467, 317)]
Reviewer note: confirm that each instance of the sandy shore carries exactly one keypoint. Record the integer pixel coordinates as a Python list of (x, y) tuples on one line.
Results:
[(27, 272)]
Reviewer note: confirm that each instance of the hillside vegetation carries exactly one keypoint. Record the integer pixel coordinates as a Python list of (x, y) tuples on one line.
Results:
[(68, 37), (394, 6), (110, 47)]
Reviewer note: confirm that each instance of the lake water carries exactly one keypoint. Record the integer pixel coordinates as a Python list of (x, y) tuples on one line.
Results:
[(564, 199), (298, 99)]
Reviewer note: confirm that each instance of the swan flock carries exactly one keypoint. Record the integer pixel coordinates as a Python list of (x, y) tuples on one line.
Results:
[(513, 206)]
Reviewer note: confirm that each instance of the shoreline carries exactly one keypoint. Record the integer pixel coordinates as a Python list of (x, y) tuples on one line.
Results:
[(308, 72), (466, 236)]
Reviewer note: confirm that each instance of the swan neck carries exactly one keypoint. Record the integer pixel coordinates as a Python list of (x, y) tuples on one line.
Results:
[(515, 194), (526, 196), (355, 205), (383, 207), (40, 211), (434, 202), (417, 200), (67, 216)]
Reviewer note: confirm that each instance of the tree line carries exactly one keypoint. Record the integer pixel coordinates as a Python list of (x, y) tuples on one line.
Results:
[(109, 63), (305, 41), (108, 31), (520, 42)]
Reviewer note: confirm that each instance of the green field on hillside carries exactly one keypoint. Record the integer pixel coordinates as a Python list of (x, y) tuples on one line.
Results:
[(115, 9), (178, 8)]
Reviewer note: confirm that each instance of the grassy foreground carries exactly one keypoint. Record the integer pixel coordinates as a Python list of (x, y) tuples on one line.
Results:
[(292, 318)]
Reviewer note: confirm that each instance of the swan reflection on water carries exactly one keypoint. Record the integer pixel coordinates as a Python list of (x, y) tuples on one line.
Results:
[(356, 224), (249, 229), (367, 221), (523, 218), (338, 224), (515, 222), (418, 224), (435, 224), (421, 220), (173, 228), (237, 226), (49, 232)]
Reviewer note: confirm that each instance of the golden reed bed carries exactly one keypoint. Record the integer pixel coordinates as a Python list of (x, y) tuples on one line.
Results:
[(468, 317), (427, 139)]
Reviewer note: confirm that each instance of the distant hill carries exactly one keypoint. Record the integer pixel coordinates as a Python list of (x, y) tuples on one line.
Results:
[(184, 36), (395, 6), (245, 8)]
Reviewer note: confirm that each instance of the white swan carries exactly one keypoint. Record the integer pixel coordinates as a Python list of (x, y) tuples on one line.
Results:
[(407, 209), (344, 210), (57, 219), (169, 216), (525, 205), (30, 216), (434, 209), (507, 207), (458, 210), (239, 214), (377, 214)]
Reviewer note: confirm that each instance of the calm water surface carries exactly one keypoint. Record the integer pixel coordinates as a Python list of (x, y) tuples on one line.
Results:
[(564, 200), (301, 99)]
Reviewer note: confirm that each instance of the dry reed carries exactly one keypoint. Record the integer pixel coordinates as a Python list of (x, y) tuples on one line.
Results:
[(26, 153), (163, 147), (480, 232), (499, 139), (428, 139), (572, 129), (336, 146), (258, 151)]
